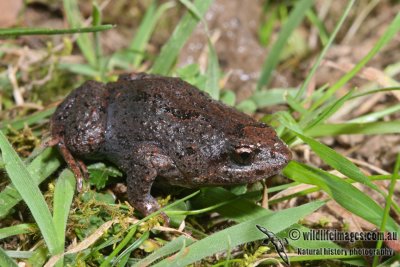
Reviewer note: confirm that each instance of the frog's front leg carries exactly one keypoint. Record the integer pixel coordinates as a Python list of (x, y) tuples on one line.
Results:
[(141, 171), (140, 180)]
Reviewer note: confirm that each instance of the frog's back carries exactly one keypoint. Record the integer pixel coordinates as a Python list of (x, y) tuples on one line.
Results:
[(154, 99), (170, 113)]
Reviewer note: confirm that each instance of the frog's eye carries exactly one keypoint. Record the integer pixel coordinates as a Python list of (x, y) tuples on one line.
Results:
[(243, 156)]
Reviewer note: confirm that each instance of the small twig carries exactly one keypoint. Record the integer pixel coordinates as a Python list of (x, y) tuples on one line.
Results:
[(368, 165), (359, 21), (264, 202), (182, 226), (172, 230), (47, 31), (19, 100)]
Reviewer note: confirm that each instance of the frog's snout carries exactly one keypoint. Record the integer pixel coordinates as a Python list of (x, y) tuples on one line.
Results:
[(281, 153)]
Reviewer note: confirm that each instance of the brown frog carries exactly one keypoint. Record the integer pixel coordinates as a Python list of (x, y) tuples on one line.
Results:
[(161, 127)]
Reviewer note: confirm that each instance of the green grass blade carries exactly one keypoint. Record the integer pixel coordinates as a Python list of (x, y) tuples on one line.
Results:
[(142, 35), (165, 208), (237, 208), (120, 246), (382, 127), (345, 13), (181, 34), (390, 32), (5, 260), (295, 105), (376, 115), (82, 69), (20, 254), (386, 215), (133, 246), (286, 119), (339, 163), (145, 30), (239, 234), (212, 73), (294, 19), (40, 168), (46, 31), (19, 229), (171, 247), (271, 97), (342, 192), (96, 15), (101, 61), (325, 113), (63, 195), (266, 29), (38, 257), (315, 20), (304, 192), (192, 8), (26, 186), (136, 52), (74, 18), (374, 91), (28, 120)]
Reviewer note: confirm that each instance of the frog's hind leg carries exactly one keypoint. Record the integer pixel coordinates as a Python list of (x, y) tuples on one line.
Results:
[(73, 164), (77, 166)]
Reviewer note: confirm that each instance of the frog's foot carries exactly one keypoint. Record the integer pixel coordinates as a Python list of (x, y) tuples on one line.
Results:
[(140, 198), (147, 206)]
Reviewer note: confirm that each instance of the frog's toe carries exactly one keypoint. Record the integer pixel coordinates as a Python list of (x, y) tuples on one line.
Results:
[(83, 168), (79, 184)]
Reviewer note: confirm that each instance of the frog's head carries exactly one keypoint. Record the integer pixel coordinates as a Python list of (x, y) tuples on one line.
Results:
[(255, 152)]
